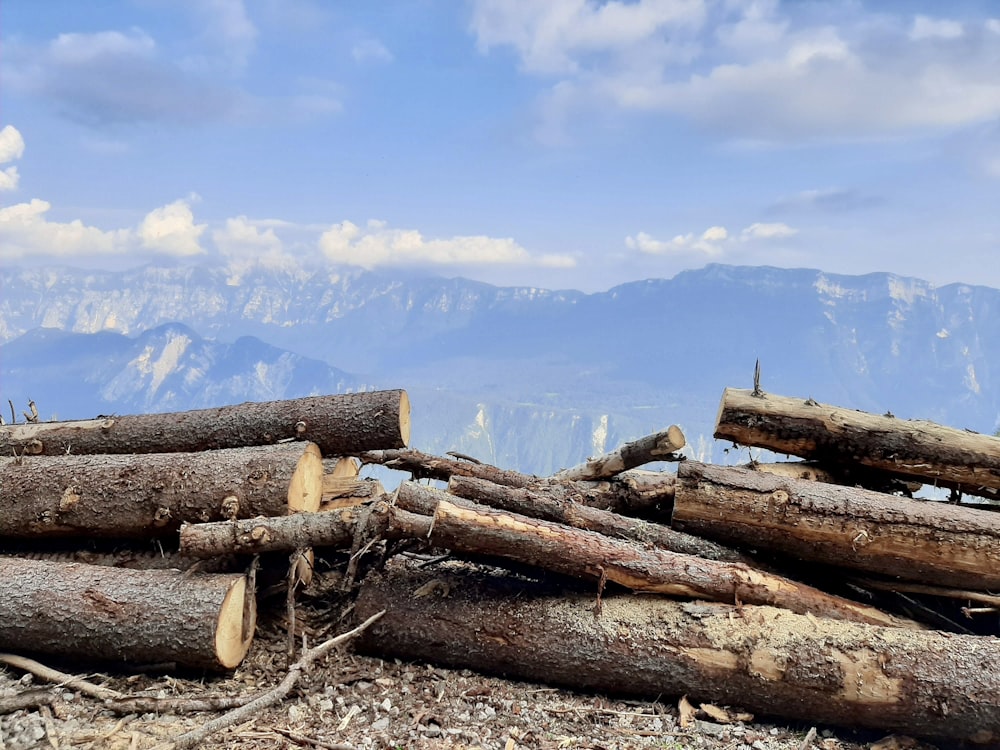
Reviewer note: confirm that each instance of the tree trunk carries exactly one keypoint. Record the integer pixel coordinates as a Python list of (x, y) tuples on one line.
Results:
[(140, 617), (914, 449), (344, 492), (426, 466), (767, 660), (345, 424), (529, 502), (135, 497), (589, 555), (657, 447), (852, 476), (937, 543)]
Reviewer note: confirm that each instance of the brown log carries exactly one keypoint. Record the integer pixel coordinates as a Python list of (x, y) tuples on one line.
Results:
[(427, 466), (139, 617), (589, 555), (344, 424), (914, 449), (916, 540), (344, 492), (254, 535), (134, 497), (660, 446), (535, 504), (769, 661), (853, 476)]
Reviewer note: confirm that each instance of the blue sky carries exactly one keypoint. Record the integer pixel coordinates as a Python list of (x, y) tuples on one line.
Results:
[(557, 143)]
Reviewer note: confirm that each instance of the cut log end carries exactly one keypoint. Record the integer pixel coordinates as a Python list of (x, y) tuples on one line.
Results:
[(404, 418), (305, 491), (675, 438), (235, 628)]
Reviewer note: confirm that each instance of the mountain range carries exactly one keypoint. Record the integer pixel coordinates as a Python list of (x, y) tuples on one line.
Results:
[(527, 378)]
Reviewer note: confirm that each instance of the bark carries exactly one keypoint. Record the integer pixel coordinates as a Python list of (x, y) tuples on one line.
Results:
[(657, 447), (254, 535), (913, 449), (426, 466), (528, 502), (589, 555), (136, 497), (344, 492), (852, 476), (767, 660), (935, 543), (345, 424), (139, 617)]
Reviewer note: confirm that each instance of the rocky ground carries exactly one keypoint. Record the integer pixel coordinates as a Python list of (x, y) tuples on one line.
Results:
[(350, 701)]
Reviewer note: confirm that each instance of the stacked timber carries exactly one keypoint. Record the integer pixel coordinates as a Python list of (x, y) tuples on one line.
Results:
[(129, 482)]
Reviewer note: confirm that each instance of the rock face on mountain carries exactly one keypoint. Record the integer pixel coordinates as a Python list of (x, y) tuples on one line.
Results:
[(528, 378)]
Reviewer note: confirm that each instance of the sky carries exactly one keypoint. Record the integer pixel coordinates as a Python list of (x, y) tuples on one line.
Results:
[(553, 143)]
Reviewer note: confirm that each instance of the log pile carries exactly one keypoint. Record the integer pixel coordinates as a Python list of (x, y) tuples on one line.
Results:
[(817, 590)]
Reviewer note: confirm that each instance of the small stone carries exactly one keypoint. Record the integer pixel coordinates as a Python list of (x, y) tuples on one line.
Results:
[(325, 704), (385, 705), (380, 725), (758, 745), (296, 713)]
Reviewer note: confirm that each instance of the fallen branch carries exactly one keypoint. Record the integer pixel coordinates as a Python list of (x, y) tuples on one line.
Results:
[(270, 697), (660, 446)]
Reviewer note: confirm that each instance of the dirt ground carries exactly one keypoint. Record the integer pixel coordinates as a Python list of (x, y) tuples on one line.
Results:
[(350, 701)]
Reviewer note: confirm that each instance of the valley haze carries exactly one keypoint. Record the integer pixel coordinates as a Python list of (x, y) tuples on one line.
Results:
[(525, 378)]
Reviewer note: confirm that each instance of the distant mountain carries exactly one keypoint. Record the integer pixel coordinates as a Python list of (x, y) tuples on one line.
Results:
[(527, 378)]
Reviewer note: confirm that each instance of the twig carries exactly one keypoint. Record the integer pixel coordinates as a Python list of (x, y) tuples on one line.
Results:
[(50, 727), (808, 739), (26, 700), (269, 698), (60, 678), (304, 740)]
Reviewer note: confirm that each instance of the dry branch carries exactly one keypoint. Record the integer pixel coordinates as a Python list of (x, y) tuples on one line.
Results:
[(427, 466), (660, 446), (767, 660), (136, 497), (936, 543), (143, 617), (913, 449), (344, 424)]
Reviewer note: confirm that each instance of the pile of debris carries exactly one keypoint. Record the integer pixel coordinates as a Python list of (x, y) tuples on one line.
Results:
[(819, 590)]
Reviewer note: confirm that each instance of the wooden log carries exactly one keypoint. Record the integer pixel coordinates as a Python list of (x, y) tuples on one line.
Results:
[(528, 502), (913, 449), (852, 476), (660, 446), (427, 466), (343, 492), (589, 555), (138, 617), (935, 543), (769, 661), (344, 424), (135, 497)]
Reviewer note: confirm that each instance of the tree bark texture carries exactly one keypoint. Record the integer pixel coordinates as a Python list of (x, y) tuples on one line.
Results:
[(657, 447), (914, 449), (589, 555), (138, 496), (852, 476), (139, 617), (936, 543), (768, 660), (344, 424), (427, 466), (345, 492), (528, 502)]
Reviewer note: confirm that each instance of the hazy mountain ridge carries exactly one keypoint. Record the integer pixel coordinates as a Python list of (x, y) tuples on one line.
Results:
[(528, 378)]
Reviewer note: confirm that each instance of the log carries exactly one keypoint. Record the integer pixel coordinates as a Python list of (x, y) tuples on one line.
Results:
[(914, 449), (769, 661), (344, 424), (852, 476), (935, 543), (427, 466), (139, 617), (589, 555), (343, 492), (660, 446), (136, 497), (529, 502)]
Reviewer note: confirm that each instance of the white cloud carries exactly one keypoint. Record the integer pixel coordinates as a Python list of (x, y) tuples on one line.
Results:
[(379, 245), (9, 179), (775, 231), (11, 144), (935, 28), (707, 243), (713, 242), (371, 50), (25, 233), (171, 230), (751, 70)]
